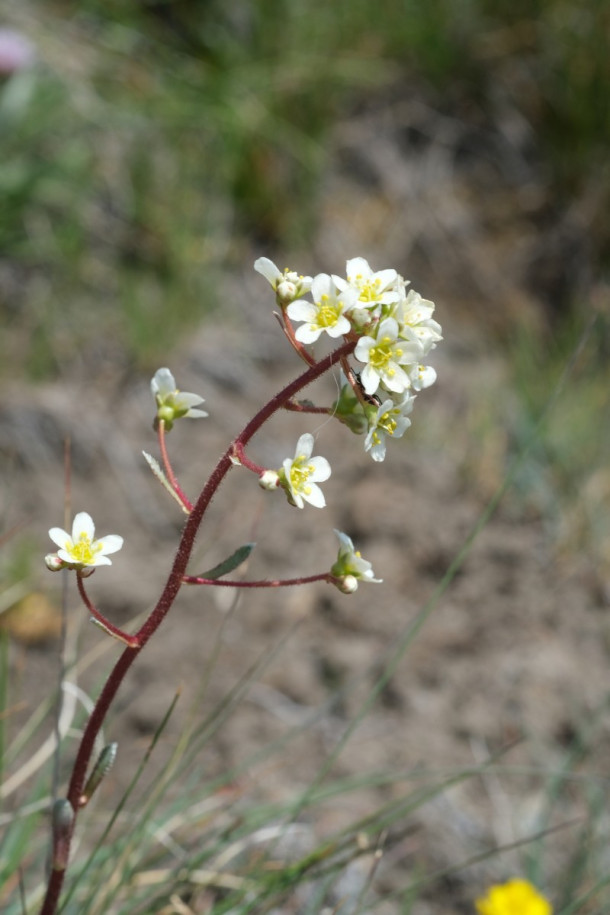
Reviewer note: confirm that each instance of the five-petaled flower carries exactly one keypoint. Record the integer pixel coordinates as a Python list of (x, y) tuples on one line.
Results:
[(326, 314), (350, 567), (173, 404), (300, 475), (385, 354), (80, 550), (389, 418), (516, 897)]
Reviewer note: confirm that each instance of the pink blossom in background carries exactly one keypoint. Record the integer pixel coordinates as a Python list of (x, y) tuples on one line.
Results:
[(16, 51)]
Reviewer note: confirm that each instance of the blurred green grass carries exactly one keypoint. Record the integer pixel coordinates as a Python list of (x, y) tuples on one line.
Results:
[(152, 139)]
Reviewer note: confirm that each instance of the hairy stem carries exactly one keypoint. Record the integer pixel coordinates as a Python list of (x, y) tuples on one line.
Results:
[(168, 596), (263, 583)]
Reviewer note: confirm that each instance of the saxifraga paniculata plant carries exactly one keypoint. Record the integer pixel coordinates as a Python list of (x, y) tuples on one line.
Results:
[(384, 331)]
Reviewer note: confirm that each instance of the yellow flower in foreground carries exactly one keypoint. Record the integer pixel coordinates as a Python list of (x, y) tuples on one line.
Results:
[(517, 897)]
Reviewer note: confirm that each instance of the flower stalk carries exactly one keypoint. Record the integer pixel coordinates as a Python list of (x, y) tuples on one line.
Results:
[(380, 325)]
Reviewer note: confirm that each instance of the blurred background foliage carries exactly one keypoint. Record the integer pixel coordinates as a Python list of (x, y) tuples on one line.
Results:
[(152, 140)]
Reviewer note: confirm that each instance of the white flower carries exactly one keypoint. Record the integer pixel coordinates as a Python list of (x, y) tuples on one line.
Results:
[(80, 550), (350, 567), (414, 316), (390, 419), (173, 404), (326, 313), (300, 475), (373, 288), (287, 285), (421, 376), (384, 354)]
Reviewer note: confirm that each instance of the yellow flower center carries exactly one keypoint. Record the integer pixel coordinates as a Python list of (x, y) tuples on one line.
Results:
[(299, 474), (83, 550), (369, 289), (380, 355), (388, 423), (328, 312)]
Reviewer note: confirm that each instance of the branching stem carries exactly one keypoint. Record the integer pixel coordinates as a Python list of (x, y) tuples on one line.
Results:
[(170, 592)]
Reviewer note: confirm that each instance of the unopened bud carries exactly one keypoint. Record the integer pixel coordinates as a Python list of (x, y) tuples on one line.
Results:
[(347, 584), (286, 292), (269, 479), (54, 563)]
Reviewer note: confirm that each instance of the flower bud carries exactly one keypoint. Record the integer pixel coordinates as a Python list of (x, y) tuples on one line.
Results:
[(286, 291), (347, 584), (54, 563), (269, 479)]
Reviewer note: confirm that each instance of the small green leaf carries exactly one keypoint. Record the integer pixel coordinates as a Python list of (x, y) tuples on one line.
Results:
[(232, 562)]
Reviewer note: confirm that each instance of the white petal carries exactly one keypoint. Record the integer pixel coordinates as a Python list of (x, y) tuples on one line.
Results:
[(110, 543), (363, 348), (195, 414), (267, 269), (101, 560), (315, 496), (423, 377), (387, 328), (386, 277), (308, 333), (322, 284), (59, 536), (357, 266), (163, 383), (304, 446), (369, 379), (83, 524), (321, 469), (341, 327), (300, 310), (378, 451), (188, 400), (347, 545), (398, 381)]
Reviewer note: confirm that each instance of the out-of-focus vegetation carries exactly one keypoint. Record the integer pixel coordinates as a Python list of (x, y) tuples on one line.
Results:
[(150, 137)]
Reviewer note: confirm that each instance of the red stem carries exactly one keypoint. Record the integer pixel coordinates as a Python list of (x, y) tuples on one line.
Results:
[(169, 470), (306, 408), (129, 640), (288, 329), (169, 595), (242, 457), (264, 583)]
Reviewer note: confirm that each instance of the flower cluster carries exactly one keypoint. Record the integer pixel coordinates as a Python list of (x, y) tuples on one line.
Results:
[(393, 329), (516, 897)]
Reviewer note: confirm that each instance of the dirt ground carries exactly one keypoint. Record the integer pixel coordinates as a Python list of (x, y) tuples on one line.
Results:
[(514, 654)]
